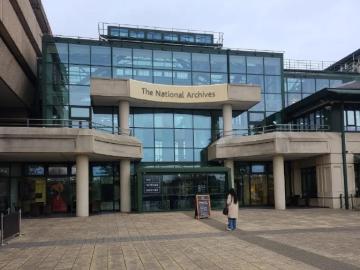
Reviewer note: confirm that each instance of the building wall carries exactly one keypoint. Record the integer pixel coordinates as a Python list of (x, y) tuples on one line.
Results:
[(20, 48)]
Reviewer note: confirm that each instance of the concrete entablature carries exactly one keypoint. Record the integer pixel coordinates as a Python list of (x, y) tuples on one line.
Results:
[(109, 92), (292, 145), (59, 144)]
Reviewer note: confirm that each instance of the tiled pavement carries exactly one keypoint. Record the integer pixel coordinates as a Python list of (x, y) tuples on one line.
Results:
[(265, 239)]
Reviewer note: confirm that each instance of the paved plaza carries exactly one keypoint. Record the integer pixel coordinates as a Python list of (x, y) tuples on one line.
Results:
[(265, 239)]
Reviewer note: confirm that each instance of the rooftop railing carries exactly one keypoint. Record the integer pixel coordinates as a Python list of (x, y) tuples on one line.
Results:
[(62, 123), (307, 64)]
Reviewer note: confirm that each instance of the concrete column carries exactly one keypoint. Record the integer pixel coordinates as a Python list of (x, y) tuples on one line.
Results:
[(279, 182), (125, 191), (82, 186), (229, 163), (227, 119), (124, 109)]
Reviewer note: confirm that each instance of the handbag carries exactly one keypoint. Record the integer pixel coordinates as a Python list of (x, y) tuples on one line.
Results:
[(226, 211)]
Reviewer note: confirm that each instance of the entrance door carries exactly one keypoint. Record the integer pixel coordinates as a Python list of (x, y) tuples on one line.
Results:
[(258, 189)]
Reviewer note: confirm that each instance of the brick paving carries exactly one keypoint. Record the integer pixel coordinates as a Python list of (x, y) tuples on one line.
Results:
[(265, 239)]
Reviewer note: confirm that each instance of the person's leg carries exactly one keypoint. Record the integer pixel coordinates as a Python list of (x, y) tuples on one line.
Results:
[(234, 223), (229, 224)]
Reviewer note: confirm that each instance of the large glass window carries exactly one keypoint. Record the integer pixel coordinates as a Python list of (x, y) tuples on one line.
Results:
[(122, 73), (272, 84), (181, 61), (294, 85), (201, 78), (143, 118), (202, 138), (79, 54), (238, 78), (142, 58), (164, 120), (122, 57), (100, 72), (321, 84), (308, 85), (162, 60), (79, 95), (163, 76), (202, 120), (79, 74), (256, 80), (218, 63), (144, 75), (164, 154), (183, 119), (100, 55), (200, 62), (181, 78), (273, 102), (272, 66), (184, 138), (254, 65), (164, 137), (57, 52), (145, 135), (218, 78), (237, 64)]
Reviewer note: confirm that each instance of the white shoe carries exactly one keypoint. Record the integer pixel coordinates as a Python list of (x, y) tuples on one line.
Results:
[(228, 229)]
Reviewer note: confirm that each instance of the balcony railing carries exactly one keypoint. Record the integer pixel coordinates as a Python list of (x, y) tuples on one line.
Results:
[(275, 128), (62, 123)]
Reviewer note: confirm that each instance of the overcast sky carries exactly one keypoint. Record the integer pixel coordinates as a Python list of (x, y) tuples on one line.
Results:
[(303, 29)]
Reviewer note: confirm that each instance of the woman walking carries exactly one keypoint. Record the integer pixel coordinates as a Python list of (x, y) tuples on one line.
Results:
[(233, 209)]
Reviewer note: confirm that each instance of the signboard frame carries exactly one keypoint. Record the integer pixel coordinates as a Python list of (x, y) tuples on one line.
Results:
[(201, 198)]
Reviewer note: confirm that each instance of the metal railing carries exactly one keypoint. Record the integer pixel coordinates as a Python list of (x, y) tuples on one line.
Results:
[(306, 64), (275, 128), (62, 123)]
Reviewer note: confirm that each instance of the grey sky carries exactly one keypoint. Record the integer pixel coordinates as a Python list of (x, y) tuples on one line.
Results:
[(303, 29)]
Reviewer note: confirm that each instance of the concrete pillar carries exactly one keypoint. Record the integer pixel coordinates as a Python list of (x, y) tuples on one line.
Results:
[(227, 119), (279, 182), (229, 163), (124, 109), (82, 186), (125, 190)]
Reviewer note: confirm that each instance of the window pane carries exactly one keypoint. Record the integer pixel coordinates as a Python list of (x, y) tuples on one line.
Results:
[(164, 137), (335, 83), (162, 60), (144, 75), (259, 106), (183, 120), (200, 62), (184, 155), (153, 35), (145, 135), (122, 57), (143, 118), (182, 78), (79, 54), (273, 102), (181, 61), (350, 118), (218, 63), (79, 74), (149, 155), (202, 138), (187, 38), (142, 58), (100, 72), (272, 84), (122, 73), (79, 95), (137, 34), (240, 121), (164, 154), (170, 37), (254, 65), (238, 78), (163, 120), (237, 64), (256, 80), (308, 85), (201, 78), (256, 117), (57, 52), (202, 120), (198, 154), (218, 78), (163, 76), (100, 55), (293, 85), (184, 138), (272, 66), (77, 112), (204, 39), (292, 98), (321, 84)]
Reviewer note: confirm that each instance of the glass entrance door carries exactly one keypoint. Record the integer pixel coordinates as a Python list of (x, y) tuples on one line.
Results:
[(258, 189)]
